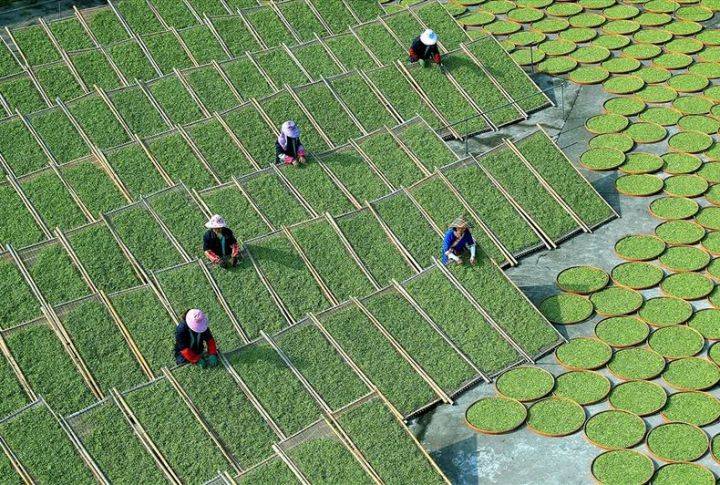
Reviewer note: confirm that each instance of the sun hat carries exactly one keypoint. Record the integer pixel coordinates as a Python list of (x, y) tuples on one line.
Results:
[(461, 221), (196, 320), (429, 37), (290, 129), (215, 222)]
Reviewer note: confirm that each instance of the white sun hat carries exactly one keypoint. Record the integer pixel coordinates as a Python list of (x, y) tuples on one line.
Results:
[(215, 222), (429, 37)]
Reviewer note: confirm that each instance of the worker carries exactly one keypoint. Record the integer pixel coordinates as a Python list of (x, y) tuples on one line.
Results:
[(192, 335), (219, 243), (425, 48), (457, 239), (288, 147)]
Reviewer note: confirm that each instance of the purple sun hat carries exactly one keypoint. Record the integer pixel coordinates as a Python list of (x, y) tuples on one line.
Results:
[(196, 320)]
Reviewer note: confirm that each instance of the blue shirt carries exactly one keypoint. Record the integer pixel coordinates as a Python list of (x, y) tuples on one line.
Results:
[(449, 240)]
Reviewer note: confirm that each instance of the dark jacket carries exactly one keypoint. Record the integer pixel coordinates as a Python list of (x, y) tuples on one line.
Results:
[(191, 345), (418, 50), (212, 242), (293, 148)]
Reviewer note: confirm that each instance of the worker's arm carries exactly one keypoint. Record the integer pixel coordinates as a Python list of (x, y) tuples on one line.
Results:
[(447, 242), (232, 241), (412, 55), (472, 246), (212, 359), (414, 49), (214, 258), (212, 347), (436, 55), (207, 248), (280, 155), (190, 356), (182, 339)]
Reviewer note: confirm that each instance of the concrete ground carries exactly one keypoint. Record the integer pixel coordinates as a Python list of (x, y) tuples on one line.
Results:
[(523, 457), (21, 11)]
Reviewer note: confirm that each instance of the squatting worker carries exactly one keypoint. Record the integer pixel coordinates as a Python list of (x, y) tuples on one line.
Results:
[(457, 240), (425, 48), (219, 243), (288, 147), (192, 336)]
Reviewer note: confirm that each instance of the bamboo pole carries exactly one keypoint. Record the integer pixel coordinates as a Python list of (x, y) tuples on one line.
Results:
[(543, 183), (333, 424), (126, 335), (430, 321), (251, 397), (486, 316), (314, 272), (204, 424), (394, 239), (289, 463), (16, 464), (60, 236), (403, 353), (351, 251), (223, 302), (471, 210), (5, 350), (79, 447), (145, 438), (298, 375), (338, 348)]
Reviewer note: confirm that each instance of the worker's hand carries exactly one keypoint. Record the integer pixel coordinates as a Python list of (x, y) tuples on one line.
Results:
[(211, 361), (234, 261), (472, 261), (302, 159)]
